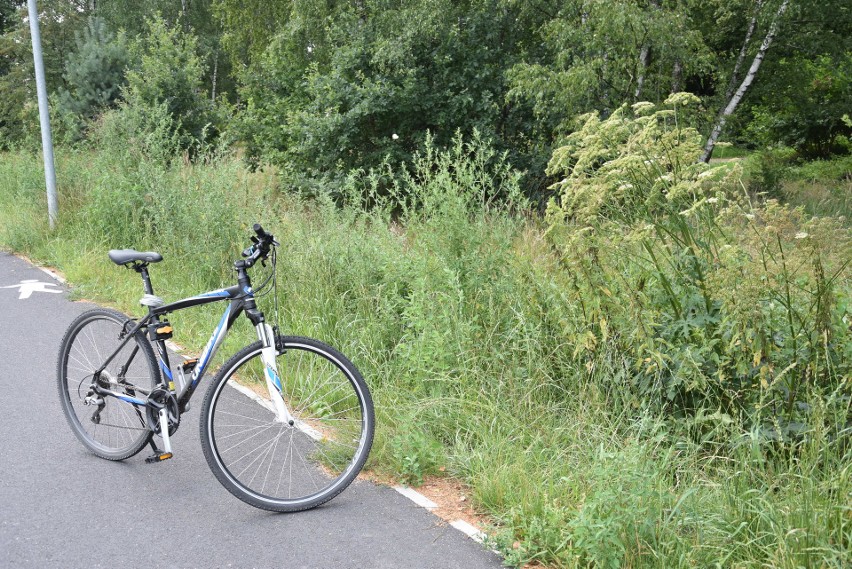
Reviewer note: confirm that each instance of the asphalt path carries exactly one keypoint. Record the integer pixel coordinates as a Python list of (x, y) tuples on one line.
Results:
[(61, 506)]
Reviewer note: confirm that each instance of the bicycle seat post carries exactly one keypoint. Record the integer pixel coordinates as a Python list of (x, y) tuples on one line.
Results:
[(149, 300), (142, 269)]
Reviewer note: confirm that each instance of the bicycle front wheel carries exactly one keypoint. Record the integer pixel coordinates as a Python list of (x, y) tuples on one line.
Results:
[(110, 427), (277, 466)]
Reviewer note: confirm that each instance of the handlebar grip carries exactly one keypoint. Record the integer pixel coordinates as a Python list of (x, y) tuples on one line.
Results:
[(260, 232), (263, 244)]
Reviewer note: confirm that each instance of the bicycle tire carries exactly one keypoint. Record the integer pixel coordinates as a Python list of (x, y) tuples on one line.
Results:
[(326, 446), (118, 429)]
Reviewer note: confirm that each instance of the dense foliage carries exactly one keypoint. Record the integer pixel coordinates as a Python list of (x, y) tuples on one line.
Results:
[(743, 310), (94, 75), (322, 86)]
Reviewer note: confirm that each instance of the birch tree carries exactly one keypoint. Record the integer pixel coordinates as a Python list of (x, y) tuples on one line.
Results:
[(603, 53), (733, 99)]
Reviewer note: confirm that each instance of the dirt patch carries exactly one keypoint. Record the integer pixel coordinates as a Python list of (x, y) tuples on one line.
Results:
[(454, 501), (452, 496)]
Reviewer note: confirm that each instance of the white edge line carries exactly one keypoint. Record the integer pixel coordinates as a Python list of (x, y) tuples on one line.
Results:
[(466, 528), (252, 395), (267, 404), (416, 497), (469, 530), (53, 275)]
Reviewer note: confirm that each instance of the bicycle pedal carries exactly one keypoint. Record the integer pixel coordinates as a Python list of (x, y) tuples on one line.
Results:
[(159, 457)]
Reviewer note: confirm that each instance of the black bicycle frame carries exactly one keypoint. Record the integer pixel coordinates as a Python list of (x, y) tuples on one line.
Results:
[(241, 297)]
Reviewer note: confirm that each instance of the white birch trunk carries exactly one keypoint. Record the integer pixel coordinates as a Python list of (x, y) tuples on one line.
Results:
[(735, 74), (741, 91), (643, 67), (677, 76)]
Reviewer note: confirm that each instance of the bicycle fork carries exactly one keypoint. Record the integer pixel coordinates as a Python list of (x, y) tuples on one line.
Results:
[(270, 371)]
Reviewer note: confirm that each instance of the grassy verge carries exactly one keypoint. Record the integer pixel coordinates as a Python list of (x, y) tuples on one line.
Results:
[(819, 187), (822, 187), (457, 314)]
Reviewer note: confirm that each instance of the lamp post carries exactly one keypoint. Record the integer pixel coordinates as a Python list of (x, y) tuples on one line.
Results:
[(44, 114)]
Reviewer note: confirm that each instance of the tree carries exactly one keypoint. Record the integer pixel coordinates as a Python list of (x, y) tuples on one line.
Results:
[(170, 73), (806, 107), (59, 21), (804, 88), (250, 25), (350, 85), (94, 73), (734, 99), (600, 54)]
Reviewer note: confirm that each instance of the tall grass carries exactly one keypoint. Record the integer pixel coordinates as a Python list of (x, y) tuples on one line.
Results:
[(820, 187), (461, 317)]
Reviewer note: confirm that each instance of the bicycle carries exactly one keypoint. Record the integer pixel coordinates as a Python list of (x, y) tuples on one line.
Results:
[(286, 424)]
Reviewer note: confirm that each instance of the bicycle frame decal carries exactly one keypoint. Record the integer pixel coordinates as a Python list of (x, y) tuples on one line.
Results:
[(221, 293), (129, 399), (273, 382), (211, 347), (166, 369), (273, 377)]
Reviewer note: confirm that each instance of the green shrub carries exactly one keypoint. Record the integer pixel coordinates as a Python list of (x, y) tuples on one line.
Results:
[(718, 305), (765, 171), (169, 79)]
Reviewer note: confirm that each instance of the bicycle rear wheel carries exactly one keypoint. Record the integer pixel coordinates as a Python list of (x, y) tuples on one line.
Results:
[(281, 467), (110, 428)]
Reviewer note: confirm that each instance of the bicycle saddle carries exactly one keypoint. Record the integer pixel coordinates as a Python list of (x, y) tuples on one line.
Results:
[(124, 256)]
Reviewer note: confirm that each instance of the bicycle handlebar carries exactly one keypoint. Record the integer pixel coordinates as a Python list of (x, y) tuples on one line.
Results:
[(263, 235), (263, 243)]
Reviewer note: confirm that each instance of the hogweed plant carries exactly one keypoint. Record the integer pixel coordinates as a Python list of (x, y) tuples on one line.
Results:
[(720, 305), (638, 163)]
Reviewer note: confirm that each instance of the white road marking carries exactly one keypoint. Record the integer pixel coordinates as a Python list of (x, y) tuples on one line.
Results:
[(52, 274), (27, 287), (466, 528), (267, 404), (252, 395), (416, 497), (469, 530)]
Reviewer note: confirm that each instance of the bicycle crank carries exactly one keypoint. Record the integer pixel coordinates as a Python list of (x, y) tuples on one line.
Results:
[(158, 401)]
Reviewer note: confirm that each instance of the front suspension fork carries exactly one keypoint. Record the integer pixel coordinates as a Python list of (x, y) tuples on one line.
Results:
[(270, 371)]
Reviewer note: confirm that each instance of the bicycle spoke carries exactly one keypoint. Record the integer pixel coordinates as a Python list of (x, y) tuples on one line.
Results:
[(277, 465), (122, 429)]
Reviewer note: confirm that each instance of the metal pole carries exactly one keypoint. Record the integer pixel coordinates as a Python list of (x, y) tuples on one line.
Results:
[(44, 114)]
